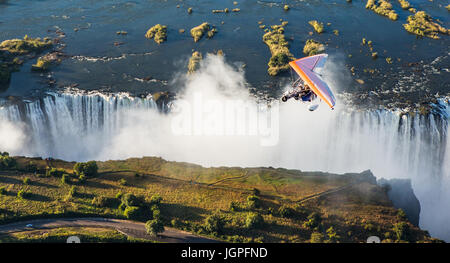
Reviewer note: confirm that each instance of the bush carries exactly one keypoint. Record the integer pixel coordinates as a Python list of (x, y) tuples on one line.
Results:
[(215, 223), (3, 190), (119, 195), (401, 214), (54, 172), (6, 162), (176, 223), (22, 194), (82, 179), (253, 202), (255, 191), (73, 191), (401, 230), (254, 220), (26, 180), (155, 200), (313, 221), (122, 182), (65, 179), (89, 169), (286, 211), (31, 167), (154, 227), (131, 200), (316, 237), (101, 201), (332, 235), (235, 206), (135, 213), (156, 213)]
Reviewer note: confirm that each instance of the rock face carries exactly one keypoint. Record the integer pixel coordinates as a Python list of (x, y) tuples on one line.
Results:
[(402, 196)]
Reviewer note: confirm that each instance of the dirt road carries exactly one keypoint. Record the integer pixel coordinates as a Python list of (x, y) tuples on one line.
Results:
[(129, 228)]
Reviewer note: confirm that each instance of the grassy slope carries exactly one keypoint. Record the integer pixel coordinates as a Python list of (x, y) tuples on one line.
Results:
[(191, 193), (58, 235)]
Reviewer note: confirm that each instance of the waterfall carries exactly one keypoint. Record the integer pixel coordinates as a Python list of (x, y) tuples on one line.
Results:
[(390, 143)]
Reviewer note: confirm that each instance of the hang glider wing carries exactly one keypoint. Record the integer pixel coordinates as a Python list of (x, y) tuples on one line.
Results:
[(309, 69)]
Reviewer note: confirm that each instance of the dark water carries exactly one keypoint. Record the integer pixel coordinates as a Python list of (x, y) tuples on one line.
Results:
[(123, 67)]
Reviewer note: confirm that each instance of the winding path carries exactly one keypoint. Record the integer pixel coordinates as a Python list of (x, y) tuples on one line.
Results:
[(129, 228)]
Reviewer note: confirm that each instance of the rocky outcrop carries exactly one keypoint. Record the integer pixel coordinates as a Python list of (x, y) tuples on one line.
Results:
[(401, 194)]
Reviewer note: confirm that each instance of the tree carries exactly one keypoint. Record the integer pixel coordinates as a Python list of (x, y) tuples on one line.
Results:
[(154, 227), (332, 235), (401, 230), (253, 201), (254, 220), (316, 237), (215, 223), (286, 211), (89, 169)]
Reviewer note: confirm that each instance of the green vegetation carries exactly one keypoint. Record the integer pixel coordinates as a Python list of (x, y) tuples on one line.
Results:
[(382, 7), (254, 220), (25, 45), (219, 201), (158, 33), (154, 227), (12, 53), (189, 10), (423, 25), (6, 162), (279, 48), (318, 27), (313, 47), (215, 224), (88, 169), (198, 31), (286, 7), (60, 235), (194, 62)]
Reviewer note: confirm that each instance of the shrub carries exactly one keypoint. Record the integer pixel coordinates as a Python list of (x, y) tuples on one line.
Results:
[(332, 235), (316, 237), (401, 214), (89, 169), (254, 220), (401, 230), (253, 201), (154, 227), (73, 191), (155, 200), (119, 195), (156, 213), (6, 162), (31, 167), (122, 182), (214, 223), (3, 190), (101, 201), (131, 200), (235, 206), (65, 179), (54, 172), (286, 211), (176, 223), (22, 194), (255, 191), (313, 221), (135, 213), (26, 180), (82, 179)]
